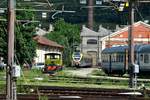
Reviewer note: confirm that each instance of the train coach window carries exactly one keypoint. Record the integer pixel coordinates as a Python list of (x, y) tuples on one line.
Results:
[(118, 58), (106, 58), (112, 57), (121, 58), (146, 58), (103, 57), (141, 57)]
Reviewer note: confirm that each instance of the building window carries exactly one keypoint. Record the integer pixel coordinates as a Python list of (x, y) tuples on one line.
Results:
[(91, 41), (98, 2), (82, 1)]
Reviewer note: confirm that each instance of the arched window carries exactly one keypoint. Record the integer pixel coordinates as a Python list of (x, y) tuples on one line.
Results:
[(91, 41)]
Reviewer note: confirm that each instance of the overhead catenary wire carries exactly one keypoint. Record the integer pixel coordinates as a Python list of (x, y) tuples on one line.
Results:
[(3, 2), (137, 10), (48, 3)]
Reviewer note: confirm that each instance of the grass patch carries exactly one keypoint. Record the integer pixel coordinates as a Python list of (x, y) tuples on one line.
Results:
[(65, 79), (98, 72)]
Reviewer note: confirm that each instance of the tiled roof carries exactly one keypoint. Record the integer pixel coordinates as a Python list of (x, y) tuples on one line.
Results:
[(138, 26), (44, 41)]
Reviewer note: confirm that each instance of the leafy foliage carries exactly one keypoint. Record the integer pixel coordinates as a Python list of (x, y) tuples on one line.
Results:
[(25, 46), (67, 35), (3, 39)]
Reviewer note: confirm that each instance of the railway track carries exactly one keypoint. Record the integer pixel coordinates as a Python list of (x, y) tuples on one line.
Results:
[(85, 92), (62, 97), (72, 93), (100, 80)]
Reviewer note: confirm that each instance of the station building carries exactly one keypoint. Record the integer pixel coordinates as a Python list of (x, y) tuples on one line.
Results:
[(45, 46), (90, 42), (141, 35), (94, 42)]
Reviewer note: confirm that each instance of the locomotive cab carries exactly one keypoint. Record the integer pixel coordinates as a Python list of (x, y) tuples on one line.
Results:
[(53, 62)]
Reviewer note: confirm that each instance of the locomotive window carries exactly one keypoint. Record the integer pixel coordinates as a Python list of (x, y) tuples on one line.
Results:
[(47, 57), (76, 58), (52, 56), (57, 56), (146, 58)]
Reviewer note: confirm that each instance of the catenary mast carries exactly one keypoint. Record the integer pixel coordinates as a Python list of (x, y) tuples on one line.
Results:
[(10, 82)]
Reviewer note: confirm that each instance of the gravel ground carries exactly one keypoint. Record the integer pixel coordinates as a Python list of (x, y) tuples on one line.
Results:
[(82, 71)]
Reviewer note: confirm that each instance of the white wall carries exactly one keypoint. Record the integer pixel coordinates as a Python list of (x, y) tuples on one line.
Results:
[(42, 50)]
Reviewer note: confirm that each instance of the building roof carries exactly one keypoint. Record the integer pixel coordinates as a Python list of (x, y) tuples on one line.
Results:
[(139, 23), (40, 31), (87, 32), (101, 32), (44, 41)]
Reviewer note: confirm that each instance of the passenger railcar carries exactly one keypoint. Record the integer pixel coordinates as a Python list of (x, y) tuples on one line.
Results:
[(53, 62), (80, 60), (144, 58), (115, 59), (76, 58)]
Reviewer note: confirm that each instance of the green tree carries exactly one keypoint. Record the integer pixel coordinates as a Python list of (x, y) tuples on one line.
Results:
[(3, 40), (25, 46), (24, 43), (67, 35)]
